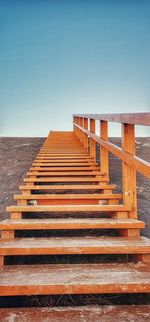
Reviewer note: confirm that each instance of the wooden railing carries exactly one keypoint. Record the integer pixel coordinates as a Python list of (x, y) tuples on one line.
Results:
[(84, 127)]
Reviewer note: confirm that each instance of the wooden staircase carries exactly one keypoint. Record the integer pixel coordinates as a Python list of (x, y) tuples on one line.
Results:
[(67, 190)]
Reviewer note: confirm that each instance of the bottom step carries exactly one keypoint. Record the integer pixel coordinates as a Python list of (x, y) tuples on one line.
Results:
[(74, 279), (106, 313)]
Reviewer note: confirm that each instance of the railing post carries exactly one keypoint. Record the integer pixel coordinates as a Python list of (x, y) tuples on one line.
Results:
[(74, 127), (81, 132), (104, 165), (92, 142), (85, 136), (78, 131), (129, 173)]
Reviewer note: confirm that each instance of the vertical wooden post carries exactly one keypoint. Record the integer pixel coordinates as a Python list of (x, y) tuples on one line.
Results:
[(77, 130), (1, 260), (129, 173), (79, 123), (16, 215), (104, 165), (81, 132), (85, 136), (92, 142), (74, 121), (7, 234)]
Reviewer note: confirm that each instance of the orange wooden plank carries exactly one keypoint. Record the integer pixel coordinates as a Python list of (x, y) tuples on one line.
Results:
[(71, 223), (68, 208), (74, 245), (88, 313), (74, 279), (101, 186), (70, 196), (69, 179)]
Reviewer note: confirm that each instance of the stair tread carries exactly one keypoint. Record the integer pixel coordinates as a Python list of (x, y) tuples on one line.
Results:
[(62, 154), (56, 174), (64, 163), (70, 187), (68, 157), (63, 179), (74, 208), (74, 278), (88, 313), (88, 168), (75, 245), (78, 223), (69, 196)]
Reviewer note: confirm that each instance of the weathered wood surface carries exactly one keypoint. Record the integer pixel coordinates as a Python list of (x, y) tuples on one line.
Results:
[(52, 169), (69, 179), (101, 186), (70, 196), (75, 245), (71, 223), (129, 118), (135, 162), (68, 208), (68, 174), (74, 279), (105, 313)]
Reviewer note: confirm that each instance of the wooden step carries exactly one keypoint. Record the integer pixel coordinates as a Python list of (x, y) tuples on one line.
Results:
[(71, 160), (70, 179), (69, 196), (61, 151), (60, 165), (63, 164), (74, 279), (88, 313), (68, 208), (74, 245), (55, 174), (69, 187), (68, 157), (49, 199), (59, 169), (66, 149), (43, 154), (71, 223)]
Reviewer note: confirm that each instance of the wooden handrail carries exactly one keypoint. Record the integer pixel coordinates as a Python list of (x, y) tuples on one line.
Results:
[(84, 128), (129, 118), (140, 165)]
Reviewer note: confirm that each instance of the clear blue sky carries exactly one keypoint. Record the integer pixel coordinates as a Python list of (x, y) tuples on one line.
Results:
[(60, 57)]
